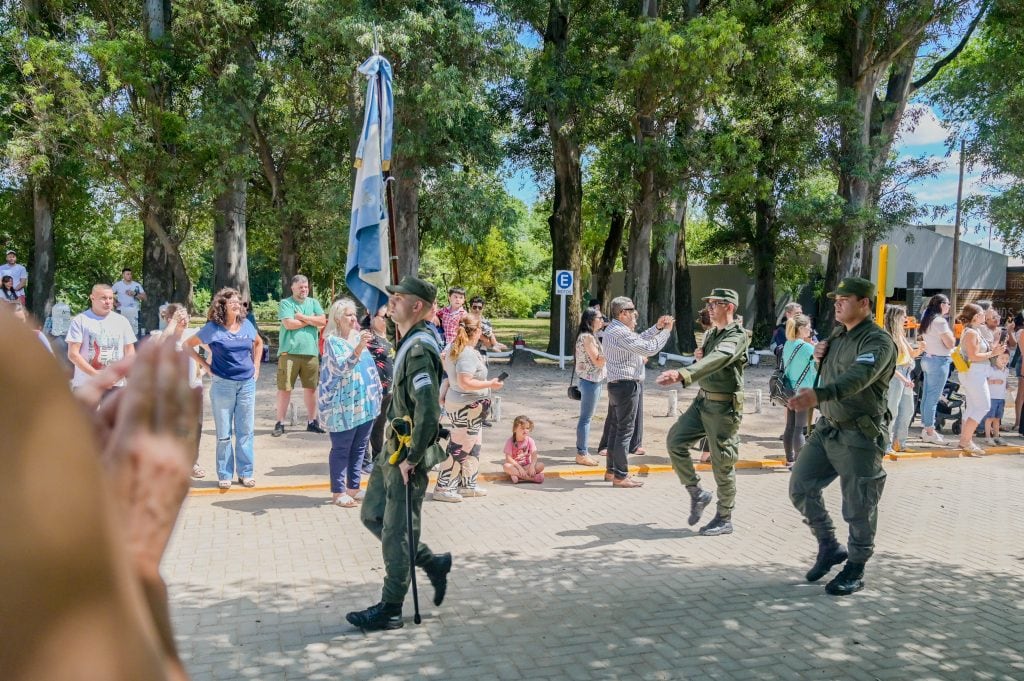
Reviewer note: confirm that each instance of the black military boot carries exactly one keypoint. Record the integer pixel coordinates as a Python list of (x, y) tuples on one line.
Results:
[(699, 499), (849, 580), (717, 526), (438, 571), (830, 552), (376, 617)]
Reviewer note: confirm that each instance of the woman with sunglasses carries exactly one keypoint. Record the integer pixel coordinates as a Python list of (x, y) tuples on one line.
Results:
[(938, 347)]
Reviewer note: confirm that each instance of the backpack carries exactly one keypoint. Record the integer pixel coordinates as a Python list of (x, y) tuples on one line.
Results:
[(779, 389)]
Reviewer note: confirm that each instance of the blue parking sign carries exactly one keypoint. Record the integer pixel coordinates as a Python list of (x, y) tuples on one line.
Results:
[(563, 282)]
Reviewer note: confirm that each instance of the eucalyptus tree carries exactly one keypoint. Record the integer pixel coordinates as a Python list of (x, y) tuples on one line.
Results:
[(874, 49)]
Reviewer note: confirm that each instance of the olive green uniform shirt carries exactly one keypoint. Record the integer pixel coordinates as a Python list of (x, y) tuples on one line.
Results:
[(725, 355), (853, 379), (416, 393)]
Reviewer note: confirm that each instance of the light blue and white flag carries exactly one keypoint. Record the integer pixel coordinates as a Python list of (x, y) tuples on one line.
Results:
[(366, 269)]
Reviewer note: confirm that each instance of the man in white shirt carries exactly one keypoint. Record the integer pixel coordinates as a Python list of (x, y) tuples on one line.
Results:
[(98, 337), (16, 272), (129, 294)]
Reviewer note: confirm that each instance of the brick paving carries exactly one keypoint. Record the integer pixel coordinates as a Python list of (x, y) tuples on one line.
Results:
[(575, 580)]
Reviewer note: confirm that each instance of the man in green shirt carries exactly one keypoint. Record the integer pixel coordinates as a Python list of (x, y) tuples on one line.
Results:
[(849, 440), (299, 352), (412, 442), (715, 413)]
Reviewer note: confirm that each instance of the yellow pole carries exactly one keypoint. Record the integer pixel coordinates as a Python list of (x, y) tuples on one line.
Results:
[(883, 270)]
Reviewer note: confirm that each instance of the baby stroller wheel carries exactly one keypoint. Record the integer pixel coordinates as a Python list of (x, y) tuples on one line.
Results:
[(956, 427)]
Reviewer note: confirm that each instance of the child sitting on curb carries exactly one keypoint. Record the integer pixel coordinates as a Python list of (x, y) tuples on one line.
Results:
[(521, 453)]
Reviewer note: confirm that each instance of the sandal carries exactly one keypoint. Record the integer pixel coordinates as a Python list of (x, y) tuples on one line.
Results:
[(345, 501), (639, 451), (247, 482), (628, 482), (586, 460), (224, 484), (197, 472)]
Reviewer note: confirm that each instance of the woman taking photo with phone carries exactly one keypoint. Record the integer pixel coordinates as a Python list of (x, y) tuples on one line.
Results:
[(466, 403)]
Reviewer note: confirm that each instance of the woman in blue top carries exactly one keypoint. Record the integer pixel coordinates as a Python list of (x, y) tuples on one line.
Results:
[(234, 366), (798, 362), (348, 399)]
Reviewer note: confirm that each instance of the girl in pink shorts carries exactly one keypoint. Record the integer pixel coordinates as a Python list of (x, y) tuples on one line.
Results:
[(521, 453)]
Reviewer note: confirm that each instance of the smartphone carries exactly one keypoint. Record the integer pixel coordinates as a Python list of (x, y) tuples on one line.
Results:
[(1002, 337), (503, 376)]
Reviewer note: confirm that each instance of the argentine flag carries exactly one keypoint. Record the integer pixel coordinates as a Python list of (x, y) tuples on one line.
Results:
[(366, 269)]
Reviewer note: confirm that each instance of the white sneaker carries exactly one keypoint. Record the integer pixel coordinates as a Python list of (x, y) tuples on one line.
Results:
[(933, 437), (476, 491), (448, 495), (990, 442), (999, 442)]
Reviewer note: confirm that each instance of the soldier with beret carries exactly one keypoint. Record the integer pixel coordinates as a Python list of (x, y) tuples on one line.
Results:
[(412, 436), (715, 413), (849, 440)]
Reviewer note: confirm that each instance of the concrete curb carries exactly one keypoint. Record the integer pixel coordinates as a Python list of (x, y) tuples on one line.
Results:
[(594, 471)]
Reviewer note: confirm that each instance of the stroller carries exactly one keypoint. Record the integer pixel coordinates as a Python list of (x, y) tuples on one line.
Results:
[(951, 402)]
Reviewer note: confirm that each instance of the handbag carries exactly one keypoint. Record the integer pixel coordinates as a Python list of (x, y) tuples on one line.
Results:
[(960, 361), (573, 391)]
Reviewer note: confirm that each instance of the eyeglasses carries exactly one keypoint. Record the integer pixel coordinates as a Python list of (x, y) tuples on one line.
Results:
[(476, 307), (627, 309), (718, 303)]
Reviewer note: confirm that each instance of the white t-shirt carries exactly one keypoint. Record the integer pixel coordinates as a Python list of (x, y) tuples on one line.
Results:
[(932, 337), (103, 341), (121, 289), (17, 273), (997, 391)]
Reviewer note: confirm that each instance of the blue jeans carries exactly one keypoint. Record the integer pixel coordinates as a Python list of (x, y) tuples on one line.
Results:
[(591, 393), (234, 413), (901, 410), (348, 448), (936, 371)]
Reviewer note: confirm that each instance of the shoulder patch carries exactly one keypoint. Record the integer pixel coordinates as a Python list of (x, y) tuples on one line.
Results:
[(728, 347), (421, 380), (866, 358)]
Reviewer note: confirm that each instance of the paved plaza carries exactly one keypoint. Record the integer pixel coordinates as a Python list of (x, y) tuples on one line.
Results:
[(575, 580)]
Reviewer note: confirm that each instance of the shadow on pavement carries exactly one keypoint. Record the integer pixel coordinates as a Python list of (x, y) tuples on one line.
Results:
[(262, 503), (312, 469), (610, 614)]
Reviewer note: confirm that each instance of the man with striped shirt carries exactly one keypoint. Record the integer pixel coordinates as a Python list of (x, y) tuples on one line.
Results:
[(626, 351)]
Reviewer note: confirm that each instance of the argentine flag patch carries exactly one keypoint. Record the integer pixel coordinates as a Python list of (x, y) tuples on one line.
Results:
[(866, 358), (420, 381)]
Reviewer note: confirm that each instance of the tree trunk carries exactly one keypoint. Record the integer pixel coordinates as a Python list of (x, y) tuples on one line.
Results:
[(764, 251), (230, 247), (684, 312), (288, 259), (164, 274), (41, 284), (609, 256), (565, 223), (638, 256), (408, 180), (663, 273)]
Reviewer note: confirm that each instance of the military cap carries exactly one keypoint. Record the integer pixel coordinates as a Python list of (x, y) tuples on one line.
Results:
[(726, 294), (415, 287), (854, 286)]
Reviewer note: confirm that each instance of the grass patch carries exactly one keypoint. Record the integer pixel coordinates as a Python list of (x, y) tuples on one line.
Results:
[(535, 331)]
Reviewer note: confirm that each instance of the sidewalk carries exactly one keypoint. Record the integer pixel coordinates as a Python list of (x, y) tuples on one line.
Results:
[(576, 580), (298, 459)]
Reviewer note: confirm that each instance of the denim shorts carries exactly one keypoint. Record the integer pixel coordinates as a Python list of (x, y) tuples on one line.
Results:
[(995, 410)]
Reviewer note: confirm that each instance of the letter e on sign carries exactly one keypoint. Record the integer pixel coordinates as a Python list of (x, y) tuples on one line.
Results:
[(563, 282)]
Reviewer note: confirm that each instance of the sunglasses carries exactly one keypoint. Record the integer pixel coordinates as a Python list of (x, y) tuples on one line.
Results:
[(476, 307), (627, 309)]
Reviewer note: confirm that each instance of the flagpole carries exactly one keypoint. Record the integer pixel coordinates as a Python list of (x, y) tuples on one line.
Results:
[(388, 179)]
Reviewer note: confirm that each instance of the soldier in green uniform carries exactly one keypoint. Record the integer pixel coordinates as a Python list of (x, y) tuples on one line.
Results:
[(413, 417), (856, 363), (715, 413)]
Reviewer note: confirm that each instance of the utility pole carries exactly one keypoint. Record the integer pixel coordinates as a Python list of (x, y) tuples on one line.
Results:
[(956, 233)]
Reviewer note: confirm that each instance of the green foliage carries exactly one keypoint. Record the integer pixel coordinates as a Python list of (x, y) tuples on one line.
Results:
[(761, 336)]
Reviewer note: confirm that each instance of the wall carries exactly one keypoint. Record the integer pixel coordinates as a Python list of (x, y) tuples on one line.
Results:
[(932, 254)]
